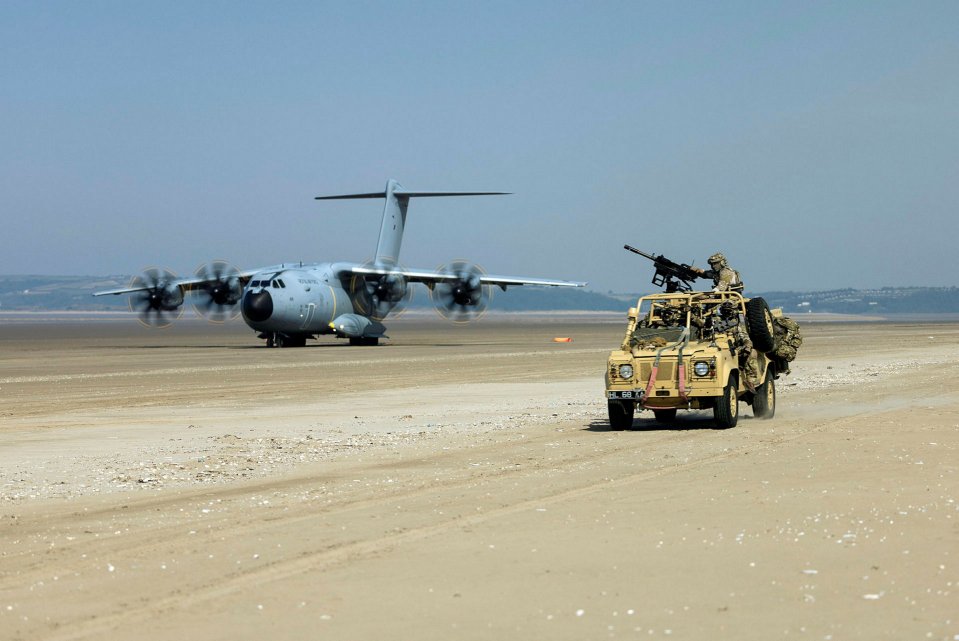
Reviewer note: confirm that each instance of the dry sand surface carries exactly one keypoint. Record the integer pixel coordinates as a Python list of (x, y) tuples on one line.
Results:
[(461, 483)]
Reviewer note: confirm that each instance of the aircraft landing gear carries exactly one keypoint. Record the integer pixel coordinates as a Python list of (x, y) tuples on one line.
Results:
[(279, 339)]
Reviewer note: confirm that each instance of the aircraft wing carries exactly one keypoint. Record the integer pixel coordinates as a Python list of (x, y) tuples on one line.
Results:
[(186, 284), (430, 277)]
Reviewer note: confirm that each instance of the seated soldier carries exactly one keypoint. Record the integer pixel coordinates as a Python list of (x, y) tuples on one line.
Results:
[(673, 314)]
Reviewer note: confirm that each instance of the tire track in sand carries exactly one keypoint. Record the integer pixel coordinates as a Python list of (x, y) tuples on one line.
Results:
[(338, 554)]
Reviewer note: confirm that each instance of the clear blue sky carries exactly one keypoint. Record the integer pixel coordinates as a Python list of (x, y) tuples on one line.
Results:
[(816, 143)]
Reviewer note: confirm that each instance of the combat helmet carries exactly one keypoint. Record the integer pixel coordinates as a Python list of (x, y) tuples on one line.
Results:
[(673, 312), (717, 259)]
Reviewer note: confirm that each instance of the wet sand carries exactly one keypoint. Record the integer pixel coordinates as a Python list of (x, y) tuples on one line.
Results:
[(461, 482)]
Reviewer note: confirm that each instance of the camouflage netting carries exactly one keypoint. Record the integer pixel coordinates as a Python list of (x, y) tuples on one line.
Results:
[(654, 337)]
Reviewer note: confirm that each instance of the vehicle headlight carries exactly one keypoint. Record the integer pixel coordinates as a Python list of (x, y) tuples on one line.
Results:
[(626, 371), (701, 368)]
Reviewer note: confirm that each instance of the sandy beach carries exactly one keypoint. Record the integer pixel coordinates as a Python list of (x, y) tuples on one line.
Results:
[(462, 483)]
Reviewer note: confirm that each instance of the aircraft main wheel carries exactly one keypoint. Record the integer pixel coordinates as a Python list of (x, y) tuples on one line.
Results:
[(759, 324), (620, 415), (764, 403), (726, 409), (368, 341), (666, 415)]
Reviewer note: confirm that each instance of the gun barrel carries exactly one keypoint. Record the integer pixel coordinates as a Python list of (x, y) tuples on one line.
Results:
[(639, 251)]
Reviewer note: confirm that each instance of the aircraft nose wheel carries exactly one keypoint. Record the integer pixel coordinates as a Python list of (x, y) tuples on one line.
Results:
[(279, 339)]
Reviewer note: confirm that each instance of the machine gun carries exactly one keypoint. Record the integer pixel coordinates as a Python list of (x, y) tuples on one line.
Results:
[(676, 277)]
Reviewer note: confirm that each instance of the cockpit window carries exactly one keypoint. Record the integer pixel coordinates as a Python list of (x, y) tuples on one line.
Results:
[(280, 281), (276, 285), (255, 283)]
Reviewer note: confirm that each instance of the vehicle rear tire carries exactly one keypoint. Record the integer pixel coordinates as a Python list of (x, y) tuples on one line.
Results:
[(764, 404), (666, 415), (726, 409), (759, 325), (620, 415)]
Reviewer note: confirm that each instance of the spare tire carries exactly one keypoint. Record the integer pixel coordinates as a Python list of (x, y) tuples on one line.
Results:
[(759, 325)]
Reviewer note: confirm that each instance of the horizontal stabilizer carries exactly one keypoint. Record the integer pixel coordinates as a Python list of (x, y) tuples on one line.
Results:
[(428, 194), (402, 193), (379, 194)]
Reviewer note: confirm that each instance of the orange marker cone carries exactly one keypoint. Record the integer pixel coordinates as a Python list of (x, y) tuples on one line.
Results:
[(562, 339)]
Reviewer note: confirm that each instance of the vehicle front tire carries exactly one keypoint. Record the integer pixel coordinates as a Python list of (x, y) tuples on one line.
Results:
[(759, 325), (764, 404), (620, 415), (726, 409)]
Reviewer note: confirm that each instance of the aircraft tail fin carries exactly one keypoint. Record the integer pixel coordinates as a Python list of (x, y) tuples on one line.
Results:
[(394, 214)]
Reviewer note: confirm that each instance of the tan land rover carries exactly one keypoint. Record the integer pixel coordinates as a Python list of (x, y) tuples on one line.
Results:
[(694, 350)]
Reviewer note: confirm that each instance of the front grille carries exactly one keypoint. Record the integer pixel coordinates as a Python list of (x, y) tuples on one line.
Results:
[(667, 371)]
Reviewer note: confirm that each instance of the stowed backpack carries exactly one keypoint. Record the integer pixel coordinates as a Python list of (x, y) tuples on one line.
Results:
[(788, 338)]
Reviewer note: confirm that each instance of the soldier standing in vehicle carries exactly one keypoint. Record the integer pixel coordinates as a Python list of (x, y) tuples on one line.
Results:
[(748, 357), (725, 278)]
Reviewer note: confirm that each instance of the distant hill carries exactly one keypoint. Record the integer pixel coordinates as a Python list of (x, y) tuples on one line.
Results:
[(56, 293), (888, 300), (47, 293)]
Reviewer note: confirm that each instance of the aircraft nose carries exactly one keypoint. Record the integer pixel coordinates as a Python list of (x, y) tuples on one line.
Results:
[(258, 306)]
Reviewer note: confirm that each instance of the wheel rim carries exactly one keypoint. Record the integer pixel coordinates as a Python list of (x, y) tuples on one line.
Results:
[(769, 323), (733, 404), (770, 394)]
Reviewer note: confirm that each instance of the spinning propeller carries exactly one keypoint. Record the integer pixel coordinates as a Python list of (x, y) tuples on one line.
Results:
[(464, 297), (159, 302), (216, 299), (378, 295)]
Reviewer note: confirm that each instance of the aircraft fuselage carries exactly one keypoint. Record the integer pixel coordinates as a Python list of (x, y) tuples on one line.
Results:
[(296, 300)]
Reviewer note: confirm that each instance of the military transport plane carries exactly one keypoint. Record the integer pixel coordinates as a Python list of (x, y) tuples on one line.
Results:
[(288, 303)]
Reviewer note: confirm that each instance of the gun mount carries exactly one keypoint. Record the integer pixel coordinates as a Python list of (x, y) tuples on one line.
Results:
[(675, 277)]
